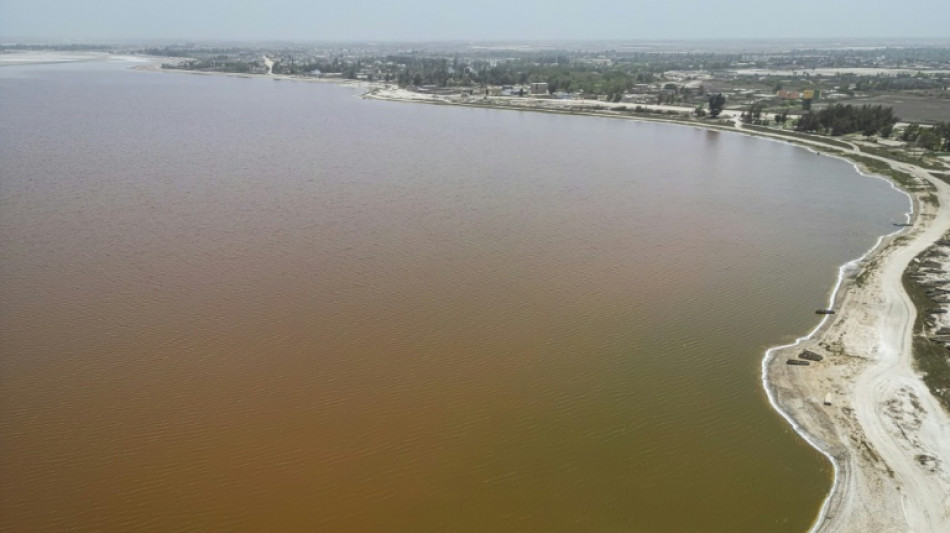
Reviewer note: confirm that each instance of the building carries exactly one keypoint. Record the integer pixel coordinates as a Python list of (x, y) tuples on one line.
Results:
[(539, 88)]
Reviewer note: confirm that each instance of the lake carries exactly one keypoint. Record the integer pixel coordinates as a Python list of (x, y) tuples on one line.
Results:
[(251, 304)]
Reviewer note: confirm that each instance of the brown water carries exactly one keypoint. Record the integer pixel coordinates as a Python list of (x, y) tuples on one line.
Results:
[(257, 305)]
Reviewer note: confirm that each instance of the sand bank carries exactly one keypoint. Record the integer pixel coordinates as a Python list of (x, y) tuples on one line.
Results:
[(38, 57)]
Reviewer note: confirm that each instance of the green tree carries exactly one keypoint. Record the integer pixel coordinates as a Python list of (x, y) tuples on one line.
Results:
[(886, 130), (755, 111), (929, 139), (716, 103), (942, 129), (911, 132)]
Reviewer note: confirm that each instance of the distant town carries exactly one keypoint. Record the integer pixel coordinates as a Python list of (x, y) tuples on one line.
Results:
[(893, 93)]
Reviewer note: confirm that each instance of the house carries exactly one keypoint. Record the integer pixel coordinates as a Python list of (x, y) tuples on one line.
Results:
[(539, 88)]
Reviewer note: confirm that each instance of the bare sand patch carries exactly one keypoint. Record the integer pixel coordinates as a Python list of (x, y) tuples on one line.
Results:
[(36, 57)]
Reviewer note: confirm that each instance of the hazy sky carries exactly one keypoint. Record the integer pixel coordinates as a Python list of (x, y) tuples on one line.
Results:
[(415, 20)]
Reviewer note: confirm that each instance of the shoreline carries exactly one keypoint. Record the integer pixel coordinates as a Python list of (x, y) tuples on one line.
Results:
[(867, 492), (875, 484), (840, 288), (849, 505)]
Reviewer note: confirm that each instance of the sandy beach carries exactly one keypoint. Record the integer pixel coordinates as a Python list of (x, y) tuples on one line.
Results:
[(864, 406)]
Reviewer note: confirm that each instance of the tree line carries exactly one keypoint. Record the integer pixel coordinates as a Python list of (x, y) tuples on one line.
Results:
[(841, 119), (559, 73), (935, 139), (901, 83)]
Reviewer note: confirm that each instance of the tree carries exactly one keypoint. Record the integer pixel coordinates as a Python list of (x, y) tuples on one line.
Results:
[(911, 132), (929, 140), (886, 130), (755, 111), (808, 122), (716, 103), (942, 129)]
